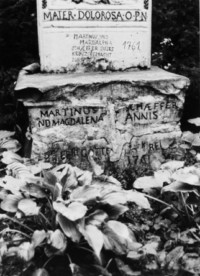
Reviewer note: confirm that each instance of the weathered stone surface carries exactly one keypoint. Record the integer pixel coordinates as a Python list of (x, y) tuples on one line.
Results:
[(92, 36), (124, 118), (93, 86)]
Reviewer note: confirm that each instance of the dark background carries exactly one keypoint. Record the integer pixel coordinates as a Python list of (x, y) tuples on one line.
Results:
[(174, 19)]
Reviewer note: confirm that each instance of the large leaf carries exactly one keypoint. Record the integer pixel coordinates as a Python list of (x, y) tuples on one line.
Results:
[(97, 218), (118, 237), (19, 170), (12, 184), (11, 145), (25, 251), (38, 237), (85, 178), (34, 190), (49, 178), (5, 134), (28, 207), (97, 170), (73, 212), (57, 240), (138, 198), (188, 178), (188, 137), (195, 121), (172, 165), (148, 182), (114, 211), (95, 239), (10, 203), (196, 141), (40, 272), (85, 194), (69, 228), (114, 198), (178, 187), (11, 157), (68, 178), (39, 167)]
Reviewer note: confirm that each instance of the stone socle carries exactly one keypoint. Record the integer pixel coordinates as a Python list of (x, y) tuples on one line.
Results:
[(124, 118)]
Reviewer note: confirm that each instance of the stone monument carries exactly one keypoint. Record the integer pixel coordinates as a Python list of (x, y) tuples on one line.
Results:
[(92, 36), (92, 92)]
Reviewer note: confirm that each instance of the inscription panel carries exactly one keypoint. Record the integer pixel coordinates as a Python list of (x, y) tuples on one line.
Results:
[(89, 36), (65, 115)]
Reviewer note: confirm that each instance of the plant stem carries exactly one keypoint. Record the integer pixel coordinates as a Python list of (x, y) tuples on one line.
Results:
[(164, 203), (46, 219), (46, 263), (19, 223), (17, 231), (185, 207)]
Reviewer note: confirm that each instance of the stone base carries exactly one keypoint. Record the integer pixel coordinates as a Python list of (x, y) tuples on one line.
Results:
[(124, 118)]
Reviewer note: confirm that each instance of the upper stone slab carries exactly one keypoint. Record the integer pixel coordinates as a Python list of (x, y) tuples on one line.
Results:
[(93, 36)]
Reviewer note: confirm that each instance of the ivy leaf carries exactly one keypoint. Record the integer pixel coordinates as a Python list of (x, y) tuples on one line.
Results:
[(28, 207), (94, 237), (38, 237), (73, 212), (10, 203), (69, 228)]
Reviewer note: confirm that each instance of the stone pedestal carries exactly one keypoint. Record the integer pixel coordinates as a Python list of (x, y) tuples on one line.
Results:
[(124, 118)]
